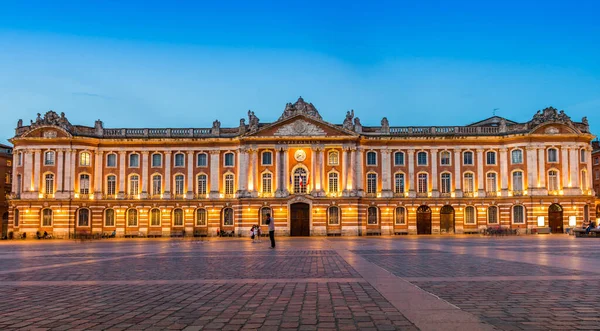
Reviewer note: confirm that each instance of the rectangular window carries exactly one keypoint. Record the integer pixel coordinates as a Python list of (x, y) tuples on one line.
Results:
[(552, 155), (109, 217), (421, 158), (179, 184), (517, 181), (468, 158), (47, 217), (334, 215), (111, 185), (155, 217), (49, 187), (470, 215), (267, 183), (20, 159), (371, 158), (517, 156), (201, 184), (202, 160), (422, 185), (267, 158), (552, 180), (229, 184), (582, 155), (49, 158), (492, 215), (156, 160), (134, 160), (399, 183), (445, 158), (596, 160), (179, 160), (111, 161), (399, 159), (156, 185), (446, 183), (371, 183), (518, 214), (468, 184), (333, 182), (85, 159), (491, 183), (491, 158), (134, 185), (84, 184), (229, 159)]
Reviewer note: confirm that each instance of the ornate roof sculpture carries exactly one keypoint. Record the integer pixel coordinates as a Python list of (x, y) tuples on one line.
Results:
[(300, 107), (50, 118)]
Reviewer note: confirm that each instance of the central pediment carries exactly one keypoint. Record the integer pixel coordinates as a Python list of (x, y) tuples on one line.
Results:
[(299, 127)]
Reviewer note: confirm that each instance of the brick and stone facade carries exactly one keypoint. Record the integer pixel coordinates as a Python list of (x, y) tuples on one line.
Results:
[(314, 177), (5, 184)]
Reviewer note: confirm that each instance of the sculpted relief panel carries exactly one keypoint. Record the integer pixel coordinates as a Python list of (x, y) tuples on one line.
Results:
[(300, 128)]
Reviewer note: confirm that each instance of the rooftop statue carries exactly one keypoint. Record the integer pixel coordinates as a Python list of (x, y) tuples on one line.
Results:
[(300, 107)]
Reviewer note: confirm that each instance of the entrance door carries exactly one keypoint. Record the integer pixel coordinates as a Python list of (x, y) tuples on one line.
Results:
[(300, 219), (424, 220), (447, 219), (4, 225), (555, 218)]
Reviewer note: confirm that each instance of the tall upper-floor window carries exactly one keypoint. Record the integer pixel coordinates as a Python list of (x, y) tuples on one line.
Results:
[(490, 158), (446, 183), (300, 180), (229, 161), (584, 180), (201, 184), (491, 182), (49, 184), (516, 156), (582, 155), (333, 158), (156, 160), (371, 183), (333, 182), (111, 160), (267, 158), (371, 158), (180, 160), (468, 182), (84, 184), (20, 159), (202, 160), (179, 184), (267, 183), (468, 158), (134, 160), (111, 185), (422, 158), (399, 183), (399, 158), (19, 183), (445, 158), (517, 181), (552, 180), (134, 185), (229, 184), (156, 185), (49, 158), (552, 155), (85, 159), (422, 183)]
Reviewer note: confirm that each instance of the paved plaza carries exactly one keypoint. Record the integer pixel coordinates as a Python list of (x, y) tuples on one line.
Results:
[(386, 283)]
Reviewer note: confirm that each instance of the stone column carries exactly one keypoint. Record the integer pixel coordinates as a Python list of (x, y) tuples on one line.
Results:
[(344, 170), (98, 174), (503, 172), (457, 175), (314, 170), (72, 174), (215, 167), (434, 174), (588, 163), (252, 182), (67, 173), (36, 170), (542, 167), (480, 162), (411, 174), (60, 166), (359, 177), (27, 171), (286, 170), (564, 160), (278, 171), (353, 170), (122, 166), (190, 175), (574, 166), (386, 174), (168, 179), (532, 170), (14, 188)]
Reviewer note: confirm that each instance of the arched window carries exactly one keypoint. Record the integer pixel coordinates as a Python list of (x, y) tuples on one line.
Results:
[(134, 160), (201, 217), (490, 158), (371, 183), (399, 183), (264, 213), (267, 183), (491, 183), (229, 159), (229, 184), (83, 218), (334, 158), (16, 217), (178, 217), (552, 155), (111, 160), (49, 158), (156, 160), (85, 159), (333, 215), (492, 215), (109, 217), (445, 158), (372, 215), (49, 184), (156, 185), (518, 214), (516, 156), (422, 183), (300, 180), (84, 184), (201, 160), (132, 217), (468, 158), (267, 158), (553, 180), (180, 160), (333, 182), (371, 158), (446, 182), (179, 184), (134, 185), (399, 158), (469, 215), (201, 184), (517, 181), (46, 217), (400, 216), (227, 217), (111, 185), (155, 217), (422, 158), (468, 182), (584, 180)]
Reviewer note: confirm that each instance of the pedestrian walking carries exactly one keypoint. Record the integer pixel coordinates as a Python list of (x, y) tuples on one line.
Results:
[(271, 225)]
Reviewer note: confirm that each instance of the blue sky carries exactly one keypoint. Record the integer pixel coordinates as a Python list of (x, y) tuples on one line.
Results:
[(184, 64)]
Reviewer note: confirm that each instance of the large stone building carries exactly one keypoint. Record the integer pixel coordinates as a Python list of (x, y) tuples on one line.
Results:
[(596, 167), (314, 177), (6, 159)]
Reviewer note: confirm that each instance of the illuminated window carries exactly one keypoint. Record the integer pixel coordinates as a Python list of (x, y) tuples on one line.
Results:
[(470, 215), (422, 185), (85, 159), (84, 184), (49, 184), (228, 184), (109, 217), (179, 190), (517, 156), (264, 213), (49, 158), (468, 182), (492, 215), (228, 216), (552, 180), (333, 215), (491, 182), (132, 217), (399, 183), (134, 185), (201, 185), (334, 158), (156, 185), (517, 181), (371, 183), (372, 215), (47, 217), (155, 217), (300, 180), (400, 216), (446, 183), (201, 217), (83, 218), (111, 185), (518, 214), (333, 182), (267, 183), (178, 217)]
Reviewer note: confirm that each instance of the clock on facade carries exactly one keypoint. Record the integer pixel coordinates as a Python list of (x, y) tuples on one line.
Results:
[(300, 155)]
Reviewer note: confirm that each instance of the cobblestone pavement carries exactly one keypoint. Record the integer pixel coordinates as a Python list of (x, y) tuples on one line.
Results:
[(386, 283)]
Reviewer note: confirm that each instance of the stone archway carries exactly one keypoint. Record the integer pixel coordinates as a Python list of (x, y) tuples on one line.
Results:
[(447, 219), (423, 220), (555, 218)]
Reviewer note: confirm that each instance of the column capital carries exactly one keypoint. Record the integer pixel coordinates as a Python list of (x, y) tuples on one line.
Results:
[(480, 150), (386, 151), (214, 152), (411, 151), (434, 150), (146, 152), (503, 149), (457, 149), (188, 152), (122, 152)]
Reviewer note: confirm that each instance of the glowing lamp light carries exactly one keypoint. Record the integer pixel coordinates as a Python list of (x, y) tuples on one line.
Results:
[(541, 221), (40, 195), (525, 192), (561, 192), (76, 195), (572, 220)]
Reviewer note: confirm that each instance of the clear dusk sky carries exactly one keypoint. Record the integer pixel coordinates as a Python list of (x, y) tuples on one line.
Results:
[(185, 64)]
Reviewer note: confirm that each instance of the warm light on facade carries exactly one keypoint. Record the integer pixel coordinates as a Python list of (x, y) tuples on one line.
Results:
[(572, 221), (541, 221)]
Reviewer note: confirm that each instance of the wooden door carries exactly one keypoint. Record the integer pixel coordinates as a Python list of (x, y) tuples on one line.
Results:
[(424, 220), (300, 220), (555, 218), (447, 219)]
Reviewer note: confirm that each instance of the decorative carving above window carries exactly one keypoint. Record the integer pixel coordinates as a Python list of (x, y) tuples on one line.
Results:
[(300, 128)]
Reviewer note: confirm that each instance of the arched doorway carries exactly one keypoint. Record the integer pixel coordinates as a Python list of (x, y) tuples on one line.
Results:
[(447, 219), (555, 218), (423, 220), (299, 219)]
